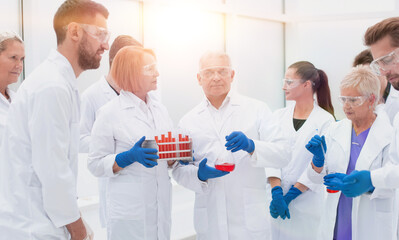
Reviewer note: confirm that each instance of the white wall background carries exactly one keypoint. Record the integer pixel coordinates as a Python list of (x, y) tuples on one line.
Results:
[(262, 37)]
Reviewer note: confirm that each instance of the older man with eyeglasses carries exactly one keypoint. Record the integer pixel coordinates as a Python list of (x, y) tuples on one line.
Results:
[(38, 162), (226, 128)]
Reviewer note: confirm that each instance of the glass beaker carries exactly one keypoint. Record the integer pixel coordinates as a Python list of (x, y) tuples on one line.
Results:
[(225, 161)]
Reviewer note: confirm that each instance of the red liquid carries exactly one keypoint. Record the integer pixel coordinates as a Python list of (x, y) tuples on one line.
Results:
[(331, 191), (227, 167)]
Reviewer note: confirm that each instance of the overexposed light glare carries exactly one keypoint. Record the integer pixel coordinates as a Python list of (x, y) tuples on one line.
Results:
[(185, 23)]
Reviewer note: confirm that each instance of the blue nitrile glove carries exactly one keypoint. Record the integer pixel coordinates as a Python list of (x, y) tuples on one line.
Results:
[(357, 183), (315, 147), (292, 194), (238, 141), (205, 172), (278, 206), (137, 154), (333, 181)]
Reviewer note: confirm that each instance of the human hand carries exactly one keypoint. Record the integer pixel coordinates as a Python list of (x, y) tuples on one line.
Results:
[(144, 156), (317, 146), (278, 206), (239, 141), (357, 183), (333, 181), (206, 172)]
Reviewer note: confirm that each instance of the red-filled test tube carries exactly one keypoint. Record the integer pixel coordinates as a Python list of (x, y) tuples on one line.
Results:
[(187, 146), (180, 145), (174, 147), (163, 146), (170, 144)]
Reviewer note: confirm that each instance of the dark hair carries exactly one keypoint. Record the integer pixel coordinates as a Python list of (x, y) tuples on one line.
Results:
[(120, 42), (387, 27), (307, 71), (363, 58), (75, 11)]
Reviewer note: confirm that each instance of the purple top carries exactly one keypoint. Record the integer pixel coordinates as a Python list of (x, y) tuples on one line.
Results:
[(343, 222)]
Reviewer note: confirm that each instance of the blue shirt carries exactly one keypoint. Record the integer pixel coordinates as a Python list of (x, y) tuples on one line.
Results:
[(343, 222)]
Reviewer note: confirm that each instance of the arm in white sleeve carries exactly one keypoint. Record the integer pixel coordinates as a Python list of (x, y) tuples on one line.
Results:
[(273, 172), (273, 148), (386, 177), (50, 131), (87, 119), (187, 176), (102, 154)]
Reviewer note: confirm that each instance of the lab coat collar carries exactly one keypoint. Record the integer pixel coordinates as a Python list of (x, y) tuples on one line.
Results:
[(379, 137), (231, 98), (106, 88), (10, 93), (129, 100), (64, 66)]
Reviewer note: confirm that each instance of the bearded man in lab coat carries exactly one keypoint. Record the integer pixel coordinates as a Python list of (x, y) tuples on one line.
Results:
[(38, 158), (232, 206)]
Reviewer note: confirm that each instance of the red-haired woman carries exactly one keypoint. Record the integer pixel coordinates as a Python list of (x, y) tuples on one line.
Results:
[(139, 189)]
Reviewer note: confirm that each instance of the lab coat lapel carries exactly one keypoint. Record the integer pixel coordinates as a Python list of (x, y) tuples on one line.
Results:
[(129, 105), (203, 113), (379, 136), (107, 90), (344, 141)]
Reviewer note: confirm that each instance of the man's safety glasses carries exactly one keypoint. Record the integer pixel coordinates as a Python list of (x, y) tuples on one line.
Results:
[(211, 71), (385, 63), (101, 34)]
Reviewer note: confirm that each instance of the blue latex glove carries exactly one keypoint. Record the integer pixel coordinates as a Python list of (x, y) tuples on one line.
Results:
[(334, 181), (357, 183), (292, 194), (137, 154), (238, 141), (206, 172), (315, 146), (278, 206)]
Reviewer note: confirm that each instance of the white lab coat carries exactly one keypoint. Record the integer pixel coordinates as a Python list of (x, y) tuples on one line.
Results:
[(138, 198), (307, 208), (391, 105), (388, 176), (233, 206), (373, 215), (4, 105), (93, 98), (38, 159)]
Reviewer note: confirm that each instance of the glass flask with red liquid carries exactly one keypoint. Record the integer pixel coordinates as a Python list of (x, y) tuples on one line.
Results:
[(225, 162), (330, 190)]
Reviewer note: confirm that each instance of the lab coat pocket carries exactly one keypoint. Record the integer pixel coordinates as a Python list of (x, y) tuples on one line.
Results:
[(255, 209), (126, 200), (383, 204), (201, 220)]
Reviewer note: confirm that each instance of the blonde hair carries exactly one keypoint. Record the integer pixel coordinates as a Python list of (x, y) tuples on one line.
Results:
[(6, 37), (364, 80), (127, 67)]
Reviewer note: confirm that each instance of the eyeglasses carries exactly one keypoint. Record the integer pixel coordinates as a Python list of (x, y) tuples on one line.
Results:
[(211, 71), (291, 83), (150, 69), (352, 101), (101, 34), (384, 63)]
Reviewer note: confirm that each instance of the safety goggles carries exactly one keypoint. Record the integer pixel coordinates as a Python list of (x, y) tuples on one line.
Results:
[(352, 101), (386, 62), (291, 83), (211, 71), (101, 34), (150, 69)]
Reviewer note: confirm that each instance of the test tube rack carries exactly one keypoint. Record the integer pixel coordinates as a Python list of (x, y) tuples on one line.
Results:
[(172, 148)]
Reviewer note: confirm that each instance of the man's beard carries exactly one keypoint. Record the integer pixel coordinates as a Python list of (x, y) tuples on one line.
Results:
[(85, 59)]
